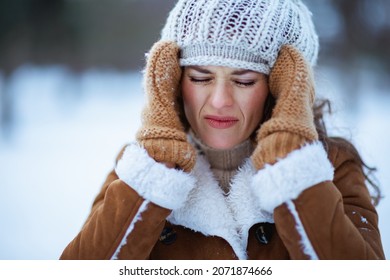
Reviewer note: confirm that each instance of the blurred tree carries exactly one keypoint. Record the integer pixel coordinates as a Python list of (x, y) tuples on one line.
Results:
[(33, 31), (363, 30), (119, 35), (105, 33), (79, 33), (37, 31)]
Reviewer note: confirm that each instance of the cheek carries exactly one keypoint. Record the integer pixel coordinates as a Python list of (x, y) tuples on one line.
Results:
[(255, 105), (190, 99)]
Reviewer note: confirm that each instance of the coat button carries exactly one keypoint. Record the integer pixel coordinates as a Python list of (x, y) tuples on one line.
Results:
[(168, 236), (264, 233)]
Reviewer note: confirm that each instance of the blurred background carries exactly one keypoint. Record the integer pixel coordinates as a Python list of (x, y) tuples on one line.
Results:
[(71, 96)]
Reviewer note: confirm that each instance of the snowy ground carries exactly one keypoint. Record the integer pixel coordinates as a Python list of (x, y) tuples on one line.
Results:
[(68, 130)]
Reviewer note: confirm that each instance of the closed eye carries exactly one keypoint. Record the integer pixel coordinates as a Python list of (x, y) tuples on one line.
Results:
[(200, 80), (245, 83)]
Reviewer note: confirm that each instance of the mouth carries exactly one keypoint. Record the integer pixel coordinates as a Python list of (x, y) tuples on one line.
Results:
[(221, 122)]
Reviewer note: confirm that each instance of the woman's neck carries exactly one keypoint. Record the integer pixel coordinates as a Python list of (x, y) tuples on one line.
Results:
[(225, 163)]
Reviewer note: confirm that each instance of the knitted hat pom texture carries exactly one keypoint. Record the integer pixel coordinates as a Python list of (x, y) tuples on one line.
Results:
[(246, 34)]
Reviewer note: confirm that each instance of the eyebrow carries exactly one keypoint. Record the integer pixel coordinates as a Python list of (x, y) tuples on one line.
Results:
[(241, 72), (205, 71), (199, 69)]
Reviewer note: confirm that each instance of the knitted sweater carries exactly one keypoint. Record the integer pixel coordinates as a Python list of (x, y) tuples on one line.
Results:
[(224, 163)]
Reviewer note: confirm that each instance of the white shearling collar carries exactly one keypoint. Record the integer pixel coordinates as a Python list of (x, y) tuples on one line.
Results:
[(213, 213)]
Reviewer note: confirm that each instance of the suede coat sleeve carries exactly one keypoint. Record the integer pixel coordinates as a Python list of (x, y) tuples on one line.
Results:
[(112, 230), (112, 216), (333, 219)]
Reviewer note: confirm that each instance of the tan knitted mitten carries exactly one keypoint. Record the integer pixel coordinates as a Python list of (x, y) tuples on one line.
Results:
[(292, 121), (162, 134)]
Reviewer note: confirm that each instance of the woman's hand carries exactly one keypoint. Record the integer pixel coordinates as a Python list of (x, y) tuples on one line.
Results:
[(292, 122), (162, 134)]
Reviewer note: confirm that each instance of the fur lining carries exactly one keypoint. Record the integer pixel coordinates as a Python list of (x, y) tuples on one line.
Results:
[(209, 211), (246, 210), (154, 181), (305, 241), (137, 218), (288, 178)]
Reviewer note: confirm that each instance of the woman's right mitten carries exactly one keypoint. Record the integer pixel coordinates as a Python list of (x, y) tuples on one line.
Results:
[(162, 133)]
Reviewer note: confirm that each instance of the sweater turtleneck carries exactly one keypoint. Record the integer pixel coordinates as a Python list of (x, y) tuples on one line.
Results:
[(224, 163)]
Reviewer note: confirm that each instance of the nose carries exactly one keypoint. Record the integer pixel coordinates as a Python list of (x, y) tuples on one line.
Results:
[(221, 95)]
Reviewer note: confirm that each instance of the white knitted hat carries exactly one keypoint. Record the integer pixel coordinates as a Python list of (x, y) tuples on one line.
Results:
[(245, 34)]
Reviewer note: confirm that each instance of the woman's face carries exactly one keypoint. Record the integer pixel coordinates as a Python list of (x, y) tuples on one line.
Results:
[(223, 105)]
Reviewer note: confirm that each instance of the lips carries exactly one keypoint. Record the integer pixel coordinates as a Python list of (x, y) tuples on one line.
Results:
[(220, 122)]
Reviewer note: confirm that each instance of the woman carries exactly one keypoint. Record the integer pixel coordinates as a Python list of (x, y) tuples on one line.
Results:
[(229, 162)]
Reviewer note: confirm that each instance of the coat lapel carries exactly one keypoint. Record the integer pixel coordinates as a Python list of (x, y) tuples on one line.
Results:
[(209, 211)]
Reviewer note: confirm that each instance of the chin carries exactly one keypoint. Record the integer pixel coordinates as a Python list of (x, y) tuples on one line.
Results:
[(221, 145)]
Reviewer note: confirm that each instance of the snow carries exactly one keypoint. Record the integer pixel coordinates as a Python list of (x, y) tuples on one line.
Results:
[(69, 128), (61, 150)]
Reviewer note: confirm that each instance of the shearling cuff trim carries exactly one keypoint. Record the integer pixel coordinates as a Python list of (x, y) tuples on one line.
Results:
[(154, 181), (286, 179)]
